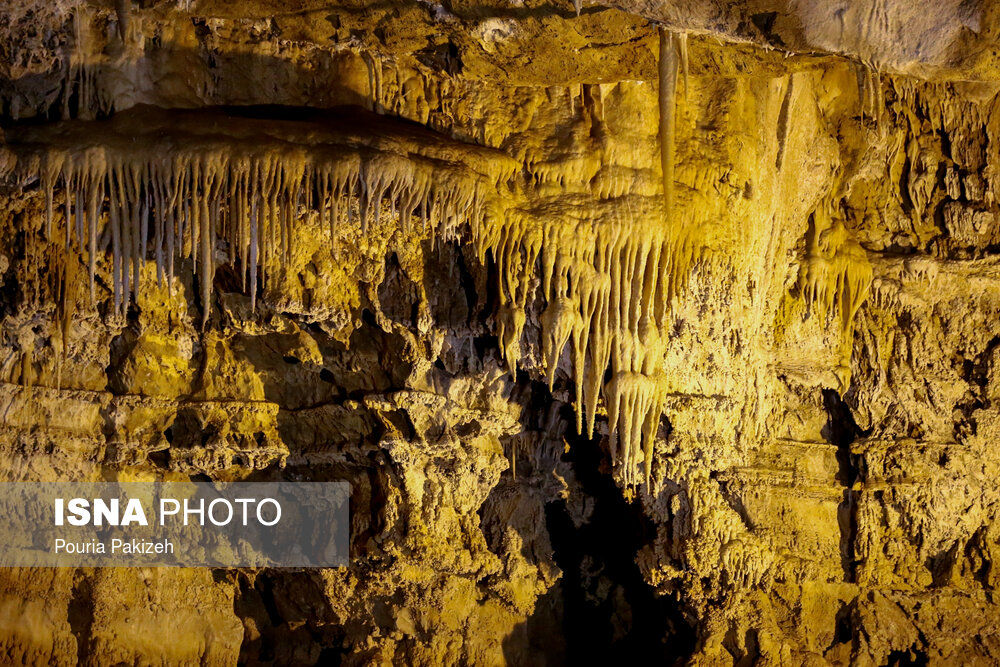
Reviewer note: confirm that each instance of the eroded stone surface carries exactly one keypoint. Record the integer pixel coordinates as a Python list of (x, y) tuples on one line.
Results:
[(802, 349)]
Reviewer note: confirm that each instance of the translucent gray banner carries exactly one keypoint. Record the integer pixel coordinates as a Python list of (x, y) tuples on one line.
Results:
[(188, 524)]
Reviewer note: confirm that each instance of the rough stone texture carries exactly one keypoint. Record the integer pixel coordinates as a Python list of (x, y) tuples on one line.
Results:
[(822, 485)]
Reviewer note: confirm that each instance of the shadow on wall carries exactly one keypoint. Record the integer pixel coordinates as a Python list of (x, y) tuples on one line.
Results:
[(184, 78)]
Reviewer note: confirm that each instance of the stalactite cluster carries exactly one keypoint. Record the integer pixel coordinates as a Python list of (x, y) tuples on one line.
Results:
[(836, 275), (615, 366), (181, 192), (210, 188), (607, 274)]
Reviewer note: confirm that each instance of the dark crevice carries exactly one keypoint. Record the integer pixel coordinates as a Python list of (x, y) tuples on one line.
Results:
[(913, 657), (976, 373), (745, 653), (842, 430), (258, 611), (468, 284), (764, 22), (81, 615), (734, 501), (608, 611), (121, 349), (160, 459), (843, 632), (783, 124)]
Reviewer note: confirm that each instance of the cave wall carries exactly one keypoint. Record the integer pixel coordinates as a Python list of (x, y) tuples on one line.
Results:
[(820, 481)]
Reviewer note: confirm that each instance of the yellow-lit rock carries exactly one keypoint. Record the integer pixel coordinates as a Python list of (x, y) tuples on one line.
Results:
[(657, 331)]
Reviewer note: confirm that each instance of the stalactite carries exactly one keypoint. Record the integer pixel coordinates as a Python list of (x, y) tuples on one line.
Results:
[(50, 285), (27, 367), (80, 72), (682, 52), (836, 275), (861, 74), (879, 102), (122, 12), (607, 271), (191, 181), (686, 242), (76, 70), (667, 97), (373, 64), (605, 276), (608, 275), (65, 270)]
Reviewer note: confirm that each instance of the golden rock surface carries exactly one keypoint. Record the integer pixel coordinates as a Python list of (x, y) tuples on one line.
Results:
[(740, 415)]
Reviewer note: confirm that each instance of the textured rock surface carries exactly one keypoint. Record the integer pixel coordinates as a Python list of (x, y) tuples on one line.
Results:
[(790, 371)]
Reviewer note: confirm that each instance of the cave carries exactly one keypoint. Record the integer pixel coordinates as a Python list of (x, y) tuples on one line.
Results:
[(635, 330)]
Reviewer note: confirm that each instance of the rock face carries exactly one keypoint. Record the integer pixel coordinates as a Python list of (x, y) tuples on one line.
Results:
[(640, 330)]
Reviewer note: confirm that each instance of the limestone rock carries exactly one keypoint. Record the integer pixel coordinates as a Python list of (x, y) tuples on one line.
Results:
[(640, 330)]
